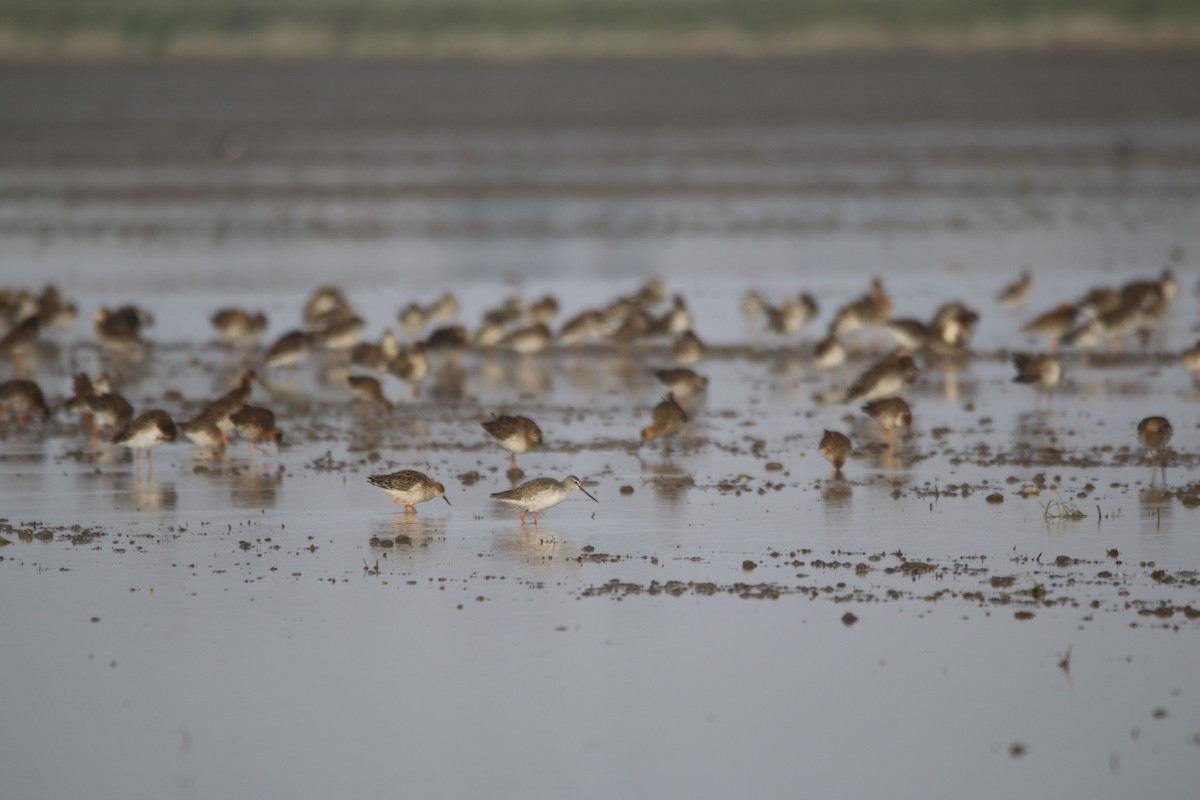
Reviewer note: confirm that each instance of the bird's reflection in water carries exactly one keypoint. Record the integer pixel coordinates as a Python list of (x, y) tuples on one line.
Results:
[(255, 488), (143, 494), (529, 378), (449, 384), (893, 458), (532, 544), (672, 487), (1155, 506), (420, 529), (836, 494), (1035, 427)]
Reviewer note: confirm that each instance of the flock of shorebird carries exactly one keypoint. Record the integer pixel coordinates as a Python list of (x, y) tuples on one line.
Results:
[(1107, 314)]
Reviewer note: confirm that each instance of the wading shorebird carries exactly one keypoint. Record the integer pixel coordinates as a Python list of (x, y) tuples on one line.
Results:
[(368, 391), (1014, 294), (1154, 433), (22, 395), (409, 487), (1043, 371), (515, 434), (668, 419), (884, 378), (256, 425), (891, 413), (221, 410), (539, 494), (146, 432), (836, 448)]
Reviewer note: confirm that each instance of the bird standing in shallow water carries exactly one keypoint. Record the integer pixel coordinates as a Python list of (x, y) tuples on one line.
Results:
[(515, 434), (1154, 433), (667, 420), (146, 432), (891, 413), (1043, 371), (409, 487), (23, 395), (836, 448), (256, 425), (884, 378), (539, 494), (368, 391)]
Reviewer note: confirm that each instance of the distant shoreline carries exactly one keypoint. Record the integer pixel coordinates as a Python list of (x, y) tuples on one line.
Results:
[(285, 41)]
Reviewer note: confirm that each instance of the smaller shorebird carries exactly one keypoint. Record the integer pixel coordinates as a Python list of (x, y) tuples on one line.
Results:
[(1014, 294), (146, 432), (22, 395), (220, 411), (753, 304), (412, 318), (235, 325), (515, 434), (121, 329), (409, 487), (836, 448), (288, 350), (583, 325), (911, 334), (791, 315), (203, 433), (668, 419), (20, 341), (528, 341), (368, 391), (884, 378), (412, 365), (539, 494), (450, 337), (687, 348), (891, 413), (377, 356), (682, 382), (1053, 324), (1154, 433), (1043, 372), (829, 353), (341, 332), (256, 425)]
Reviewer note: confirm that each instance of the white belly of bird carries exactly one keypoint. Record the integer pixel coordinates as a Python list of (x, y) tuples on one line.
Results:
[(147, 439), (516, 444)]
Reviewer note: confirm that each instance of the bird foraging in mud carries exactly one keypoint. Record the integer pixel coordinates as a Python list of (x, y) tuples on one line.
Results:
[(667, 420), (836, 448), (1154, 433), (891, 413), (22, 395), (1043, 372), (539, 494), (256, 425), (368, 391), (884, 378), (409, 487)]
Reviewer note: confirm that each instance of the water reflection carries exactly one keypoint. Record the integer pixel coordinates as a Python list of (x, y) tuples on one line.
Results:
[(142, 494), (534, 545), (255, 488), (412, 525), (1155, 505), (836, 494)]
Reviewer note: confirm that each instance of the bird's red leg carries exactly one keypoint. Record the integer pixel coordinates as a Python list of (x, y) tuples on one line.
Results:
[(523, 513)]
